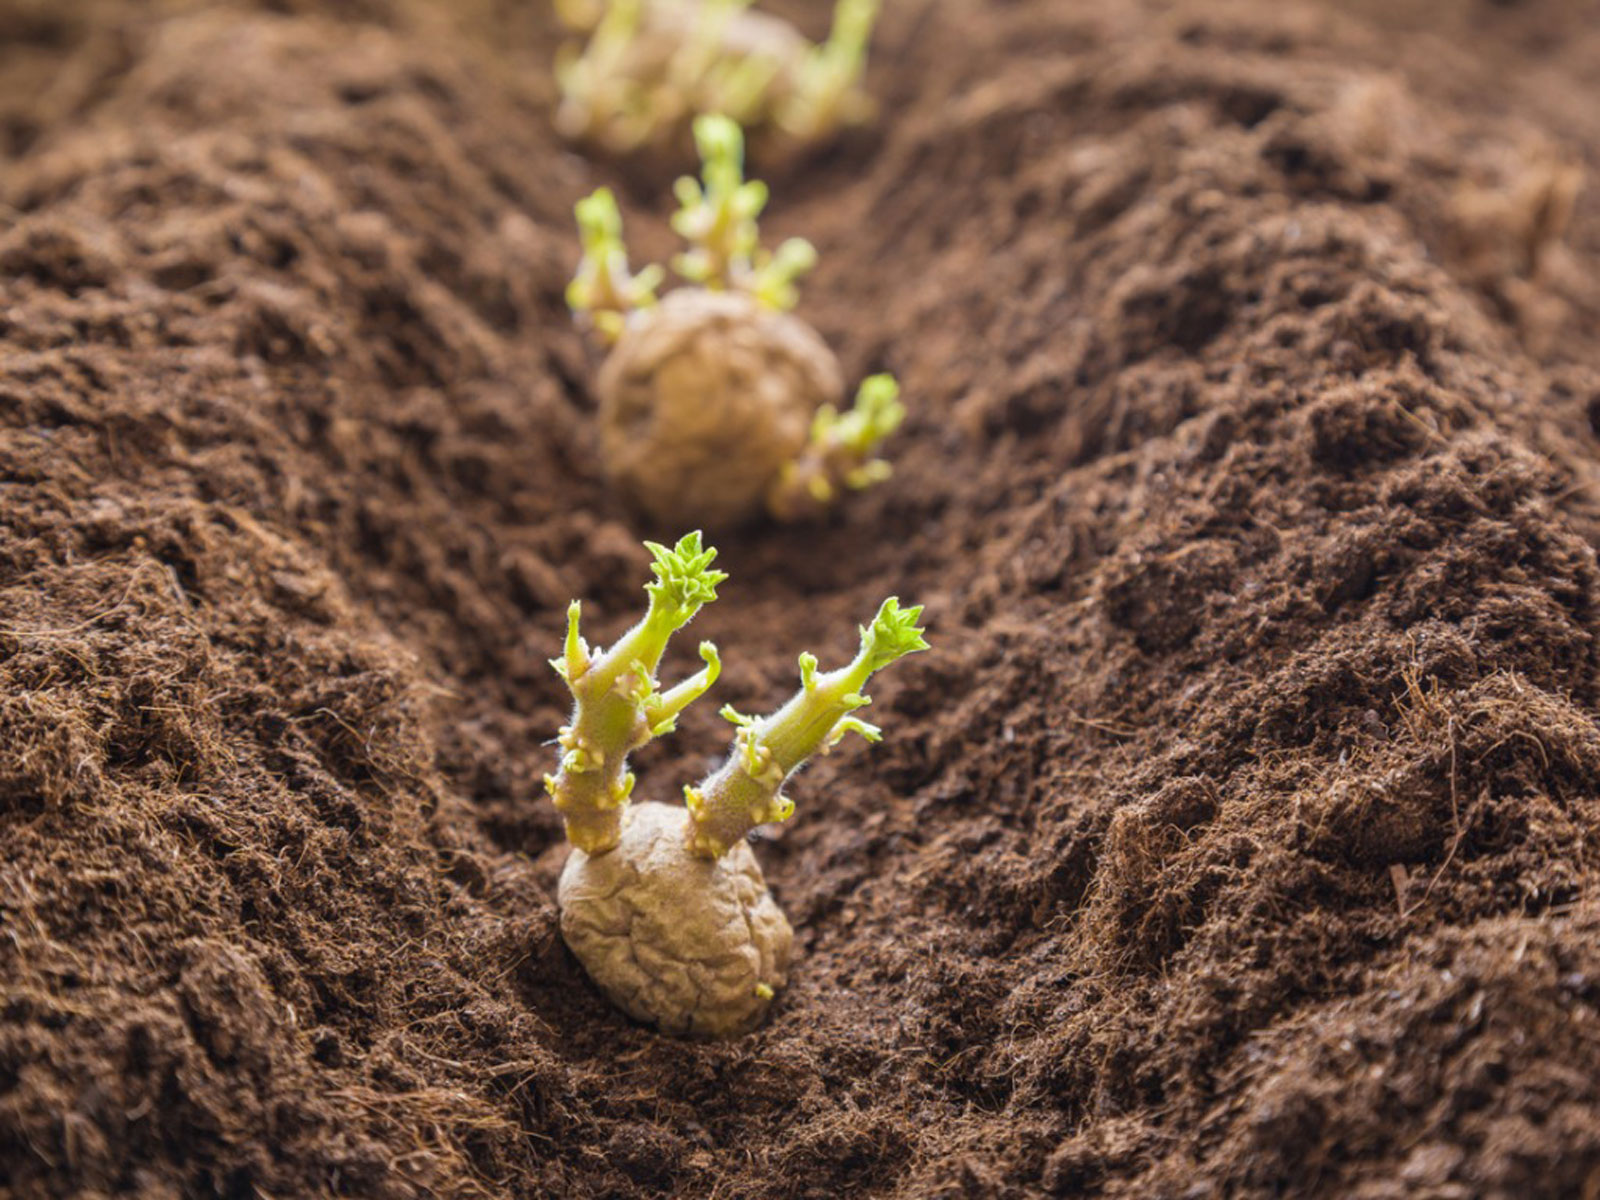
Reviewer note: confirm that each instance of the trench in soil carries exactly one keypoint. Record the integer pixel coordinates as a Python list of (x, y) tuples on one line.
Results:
[(1237, 837)]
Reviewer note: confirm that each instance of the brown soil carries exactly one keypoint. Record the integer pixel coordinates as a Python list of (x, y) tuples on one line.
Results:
[(1241, 836)]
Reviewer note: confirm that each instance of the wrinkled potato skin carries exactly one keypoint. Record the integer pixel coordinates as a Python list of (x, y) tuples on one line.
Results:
[(703, 400), (673, 940)]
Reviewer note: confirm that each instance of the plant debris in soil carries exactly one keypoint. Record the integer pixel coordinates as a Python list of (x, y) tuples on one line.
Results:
[(1238, 838)]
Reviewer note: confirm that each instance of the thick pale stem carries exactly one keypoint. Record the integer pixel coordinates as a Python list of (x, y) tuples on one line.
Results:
[(747, 790), (591, 788), (827, 94)]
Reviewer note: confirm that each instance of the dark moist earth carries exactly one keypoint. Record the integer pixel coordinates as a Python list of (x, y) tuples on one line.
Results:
[(1241, 835)]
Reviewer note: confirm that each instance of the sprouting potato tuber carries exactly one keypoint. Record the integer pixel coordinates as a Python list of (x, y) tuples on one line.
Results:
[(716, 404), (666, 907), (649, 66)]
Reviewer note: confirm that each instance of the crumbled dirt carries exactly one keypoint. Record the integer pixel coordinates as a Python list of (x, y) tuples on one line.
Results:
[(1241, 835)]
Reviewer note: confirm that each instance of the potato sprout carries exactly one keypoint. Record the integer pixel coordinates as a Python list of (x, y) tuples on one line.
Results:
[(618, 706)]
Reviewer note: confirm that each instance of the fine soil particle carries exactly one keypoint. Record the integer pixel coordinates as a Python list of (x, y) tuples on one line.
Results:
[(1240, 835)]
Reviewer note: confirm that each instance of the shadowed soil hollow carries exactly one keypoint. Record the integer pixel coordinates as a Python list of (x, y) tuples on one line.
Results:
[(1240, 836)]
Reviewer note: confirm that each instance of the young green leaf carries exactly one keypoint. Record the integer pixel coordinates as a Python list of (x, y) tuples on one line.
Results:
[(685, 580)]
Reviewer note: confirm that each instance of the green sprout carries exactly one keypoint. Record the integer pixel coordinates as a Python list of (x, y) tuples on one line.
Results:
[(651, 65), (826, 93), (747, 790), (717, 213), (604, 289), (618, 705), (842, 451), (717, 217)]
